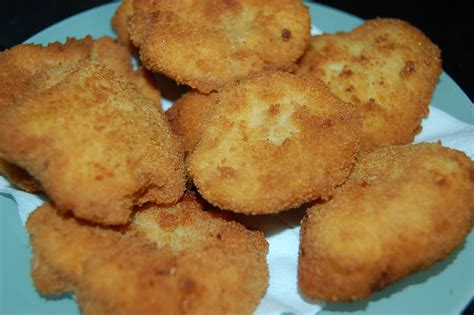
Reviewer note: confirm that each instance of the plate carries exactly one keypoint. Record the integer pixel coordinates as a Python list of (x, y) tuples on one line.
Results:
[(445, 288)]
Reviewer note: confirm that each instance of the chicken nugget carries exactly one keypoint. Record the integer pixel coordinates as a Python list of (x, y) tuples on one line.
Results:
[(97, 146), (120, 21), (20, 64), (61, 245), (118, 58), (207, 44), (273, 142), (170, 260), (402, 209), (187, 115), (387, 68)]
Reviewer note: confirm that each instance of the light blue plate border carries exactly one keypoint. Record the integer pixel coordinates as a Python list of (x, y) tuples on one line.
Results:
[(445, 288)]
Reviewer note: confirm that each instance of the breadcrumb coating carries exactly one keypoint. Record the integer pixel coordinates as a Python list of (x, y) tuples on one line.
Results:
[(402, 209), (187, 115), (387, 68), (273, 142), (20, 64), (170, 260), (207, 44), (94, 142), (120, 21)]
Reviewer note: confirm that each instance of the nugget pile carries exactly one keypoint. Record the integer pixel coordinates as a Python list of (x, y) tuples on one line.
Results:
[(273, 120)]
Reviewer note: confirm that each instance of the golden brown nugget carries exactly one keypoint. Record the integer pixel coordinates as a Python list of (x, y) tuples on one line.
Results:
[(176, 260), (98, 147), (61, 246), (387, 68), (120, 21), (187, 115), (208, 44), (20, 64), (402, 209), (118, 58), (273, 142)]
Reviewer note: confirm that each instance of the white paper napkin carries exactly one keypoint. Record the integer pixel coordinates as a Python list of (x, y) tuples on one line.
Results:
[(282, 230)]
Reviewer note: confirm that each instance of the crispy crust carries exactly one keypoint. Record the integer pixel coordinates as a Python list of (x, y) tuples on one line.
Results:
[(20, 64), (176, 260), (97, 146), (402, 209), (274, 141), (209, 44), (117, 57), (187, 115), (387, 68), (120, 21)]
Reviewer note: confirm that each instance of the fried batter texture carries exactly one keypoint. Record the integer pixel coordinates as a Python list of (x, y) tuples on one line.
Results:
[(402, 209), (97, 146), (187, 115), (176, 260), (274, 141), (207, 44), (120, 21), (387, 68), (20, 64)]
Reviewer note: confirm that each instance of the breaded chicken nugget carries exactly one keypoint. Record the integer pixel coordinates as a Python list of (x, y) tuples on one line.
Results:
[(120, 21), (187, 115), (402, 209), (118, 58), (387, 68), (96, 145), (61, 245), (206, 44), (176, 260), (274, 141), (19, 65)]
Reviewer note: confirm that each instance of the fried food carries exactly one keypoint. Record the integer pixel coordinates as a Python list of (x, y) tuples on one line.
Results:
[(387, 68), (187, 115), (170, 260), (402, 209), (118, 58), (20, 64), (120, 21), (209, 44), (98, 147), (273, 142)]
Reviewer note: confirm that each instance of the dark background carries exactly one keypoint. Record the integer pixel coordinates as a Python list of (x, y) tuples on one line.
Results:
[(448, 24)]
